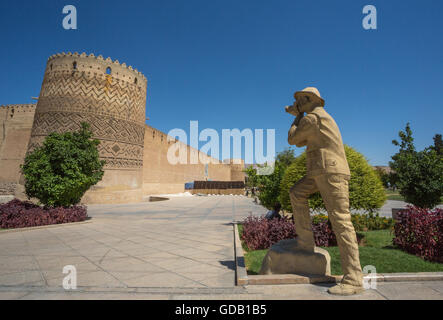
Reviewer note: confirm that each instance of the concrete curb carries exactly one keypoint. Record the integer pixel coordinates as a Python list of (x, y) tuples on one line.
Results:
[(242, 278), (2, 231)]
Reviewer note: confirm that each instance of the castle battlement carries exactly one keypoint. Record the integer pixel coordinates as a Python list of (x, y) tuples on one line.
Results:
[(27, 107), (91, 64)]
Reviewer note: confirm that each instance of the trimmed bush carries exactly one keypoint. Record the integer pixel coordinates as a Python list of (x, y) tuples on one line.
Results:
[(21, 214), (269, 186), (366, 190), (420, 232), (59, 172)]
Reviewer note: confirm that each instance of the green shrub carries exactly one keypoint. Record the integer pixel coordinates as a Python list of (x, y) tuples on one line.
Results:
[(384, 177), (418, 175), (365, 187), (269, 187), (361, 222), (59, 172)]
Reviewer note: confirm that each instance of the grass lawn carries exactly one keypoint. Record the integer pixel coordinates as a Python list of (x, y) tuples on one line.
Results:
[(394, 195), (377, 251)]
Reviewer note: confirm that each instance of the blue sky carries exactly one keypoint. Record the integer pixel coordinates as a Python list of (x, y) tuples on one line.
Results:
[(236, 64)]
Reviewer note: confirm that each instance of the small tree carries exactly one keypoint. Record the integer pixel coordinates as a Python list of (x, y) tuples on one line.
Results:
[(269, 187), (269, 184), (384, 177), (418, 175), (285, 157), (59, 172), (365, 187), (252, 179), (438, 144)]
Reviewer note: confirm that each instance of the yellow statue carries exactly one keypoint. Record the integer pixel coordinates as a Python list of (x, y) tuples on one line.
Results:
[(327, 172)]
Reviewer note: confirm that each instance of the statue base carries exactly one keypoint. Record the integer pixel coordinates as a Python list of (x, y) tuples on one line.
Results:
[(287, 257)]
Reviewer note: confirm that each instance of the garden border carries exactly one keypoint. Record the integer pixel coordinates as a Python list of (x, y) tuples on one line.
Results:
[(88, 220), (242, 278)]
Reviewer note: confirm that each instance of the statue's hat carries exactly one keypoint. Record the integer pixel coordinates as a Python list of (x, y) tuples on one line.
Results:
[(311, 92)]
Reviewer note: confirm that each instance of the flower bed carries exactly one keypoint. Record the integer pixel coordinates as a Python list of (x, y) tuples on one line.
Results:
[(21, 214), (420, 232), (260, 233)]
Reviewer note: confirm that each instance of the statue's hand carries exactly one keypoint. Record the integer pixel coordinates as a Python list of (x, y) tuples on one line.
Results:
[(298, 118), (292, 110)]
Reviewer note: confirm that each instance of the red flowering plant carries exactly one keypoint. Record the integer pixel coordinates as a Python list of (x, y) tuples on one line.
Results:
[(20, 214), (420, 232)]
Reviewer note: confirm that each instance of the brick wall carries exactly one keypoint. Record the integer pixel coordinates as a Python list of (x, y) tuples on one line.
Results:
[(15, 130)]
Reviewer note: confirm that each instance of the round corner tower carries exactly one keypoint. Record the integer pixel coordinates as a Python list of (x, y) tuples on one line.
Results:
[(111, 97)]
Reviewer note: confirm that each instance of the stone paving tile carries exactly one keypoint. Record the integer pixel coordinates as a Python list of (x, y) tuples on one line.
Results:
[(411, 290), (207, 269), (159, 255), (219, 281), (17, 263), (58, 262), (90, 296), (12, 295), (89, 279), (176, 264), (163, 279), (129, 265), (24, 278), (435, 285), (307, 292)]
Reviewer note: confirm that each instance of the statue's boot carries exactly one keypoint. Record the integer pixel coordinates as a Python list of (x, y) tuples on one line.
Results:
[(343, 289)]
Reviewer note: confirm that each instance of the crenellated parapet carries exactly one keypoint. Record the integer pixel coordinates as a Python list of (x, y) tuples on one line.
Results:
[(97, 65), (27, 107), (18, 112)]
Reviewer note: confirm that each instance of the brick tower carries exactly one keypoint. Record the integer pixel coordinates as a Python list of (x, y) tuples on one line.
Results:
[(111, 97)]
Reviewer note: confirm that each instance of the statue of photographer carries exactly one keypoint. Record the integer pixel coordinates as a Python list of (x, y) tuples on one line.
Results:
[(327, 172)]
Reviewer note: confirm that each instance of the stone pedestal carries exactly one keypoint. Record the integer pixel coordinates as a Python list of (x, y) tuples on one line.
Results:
[(287, 257)]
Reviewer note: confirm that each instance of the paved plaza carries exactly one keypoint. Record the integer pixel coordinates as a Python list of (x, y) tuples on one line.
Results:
[(176, 249)]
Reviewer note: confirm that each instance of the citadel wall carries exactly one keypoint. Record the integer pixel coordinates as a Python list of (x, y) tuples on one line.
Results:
[(15, 131), (161, 177)]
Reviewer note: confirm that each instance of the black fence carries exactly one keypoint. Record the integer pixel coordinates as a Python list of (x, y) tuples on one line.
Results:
[(219, 185)]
